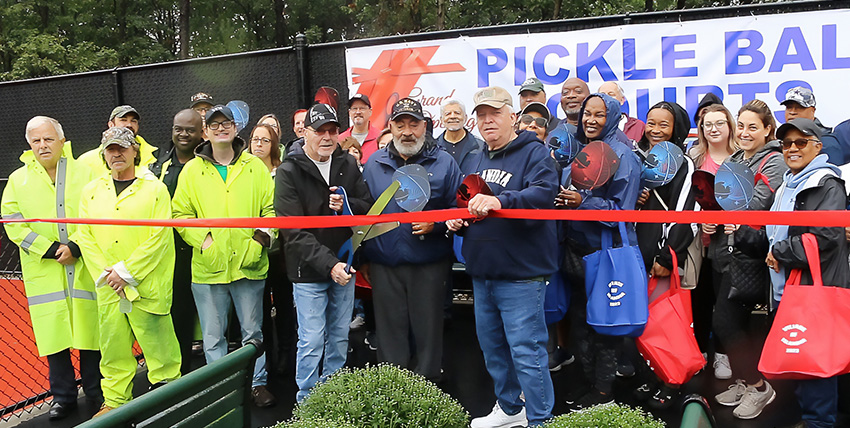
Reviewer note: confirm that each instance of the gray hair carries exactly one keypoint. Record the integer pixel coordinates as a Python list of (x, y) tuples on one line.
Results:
[(452, 102), (619, 88), (37, 121)]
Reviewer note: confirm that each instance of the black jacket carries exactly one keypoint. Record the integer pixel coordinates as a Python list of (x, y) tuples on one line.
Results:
[(677, 196), (300, 190), (829, 195)]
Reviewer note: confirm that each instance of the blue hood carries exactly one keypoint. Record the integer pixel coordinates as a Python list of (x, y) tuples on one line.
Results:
[(612, 120)]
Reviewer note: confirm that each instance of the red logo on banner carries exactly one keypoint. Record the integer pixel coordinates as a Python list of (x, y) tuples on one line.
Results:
[(394, 75)]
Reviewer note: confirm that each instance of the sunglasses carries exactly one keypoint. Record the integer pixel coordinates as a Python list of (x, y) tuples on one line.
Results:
[(539, 121), (800, 143)]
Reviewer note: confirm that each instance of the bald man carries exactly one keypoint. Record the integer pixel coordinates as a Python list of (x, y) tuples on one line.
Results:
[(632, 127)]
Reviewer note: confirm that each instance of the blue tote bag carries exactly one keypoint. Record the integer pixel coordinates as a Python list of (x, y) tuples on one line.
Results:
[(615, 281), (557, 299)]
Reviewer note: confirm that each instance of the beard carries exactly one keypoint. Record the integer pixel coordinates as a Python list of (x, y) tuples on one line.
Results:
[(406, 149)]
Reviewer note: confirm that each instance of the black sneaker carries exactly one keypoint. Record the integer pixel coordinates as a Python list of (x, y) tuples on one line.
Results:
[(371, 341), (576, 392), (645, 391), (625, 369), (560, 359), (663, 398), (592, 398)]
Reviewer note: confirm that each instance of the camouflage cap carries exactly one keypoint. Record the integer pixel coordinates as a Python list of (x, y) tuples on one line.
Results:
[(800, 95)]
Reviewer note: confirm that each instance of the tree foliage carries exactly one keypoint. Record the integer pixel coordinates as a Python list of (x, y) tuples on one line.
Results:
[(42, 37)]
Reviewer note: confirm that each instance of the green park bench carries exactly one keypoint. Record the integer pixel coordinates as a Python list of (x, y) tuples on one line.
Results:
[(216, 395)]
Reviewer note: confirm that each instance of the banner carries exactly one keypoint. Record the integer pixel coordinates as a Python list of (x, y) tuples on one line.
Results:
[(738, 59)]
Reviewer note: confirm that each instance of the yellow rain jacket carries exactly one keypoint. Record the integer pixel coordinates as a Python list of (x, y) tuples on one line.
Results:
[(94, 160), (201, 193), (143, 256), (61, 299)]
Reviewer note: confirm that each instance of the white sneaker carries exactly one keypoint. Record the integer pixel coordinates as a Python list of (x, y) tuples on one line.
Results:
[(754, 402), (499, 419), (733, 395), (722, 368)]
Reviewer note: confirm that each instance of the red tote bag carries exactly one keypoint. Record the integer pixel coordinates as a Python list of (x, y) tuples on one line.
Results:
[(808, 339), (668, 343)]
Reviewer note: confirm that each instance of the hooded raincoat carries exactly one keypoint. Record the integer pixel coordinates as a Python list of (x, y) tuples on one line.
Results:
[(61, 299)]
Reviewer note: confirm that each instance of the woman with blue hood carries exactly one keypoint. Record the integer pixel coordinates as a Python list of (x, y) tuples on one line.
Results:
[(811, 184), (666, 121), (598, 120)]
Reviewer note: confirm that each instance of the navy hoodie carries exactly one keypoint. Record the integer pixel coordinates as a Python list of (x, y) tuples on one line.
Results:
[(400, 246), (621, 191), (522, 175)]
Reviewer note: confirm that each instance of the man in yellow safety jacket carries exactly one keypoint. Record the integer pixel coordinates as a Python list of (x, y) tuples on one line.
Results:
[(60, 294), (228, 265), (132, 267), (127, 117)]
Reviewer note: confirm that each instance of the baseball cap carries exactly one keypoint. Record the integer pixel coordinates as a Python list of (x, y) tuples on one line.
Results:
[(219, 109), (538, 107), (407, 106), (492, 96), (360, 97), (804, 125), (122, 111), (201, 97), (318, 115), (800, 95), (117, 135), (532, 84)]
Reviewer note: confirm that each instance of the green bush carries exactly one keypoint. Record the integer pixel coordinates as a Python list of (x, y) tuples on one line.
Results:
[(607, 416), (315, 423), (382, 396)]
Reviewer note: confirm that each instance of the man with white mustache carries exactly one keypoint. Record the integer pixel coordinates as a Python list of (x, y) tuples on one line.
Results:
[(457, 141), (410, 264)]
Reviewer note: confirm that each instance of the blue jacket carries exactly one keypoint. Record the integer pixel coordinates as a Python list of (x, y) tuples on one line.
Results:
[(470, 146), (836, 144), (522, 175), (620, 192), (400, 246)]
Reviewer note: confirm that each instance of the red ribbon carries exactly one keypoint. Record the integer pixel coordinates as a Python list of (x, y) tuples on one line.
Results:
[(754, 218)]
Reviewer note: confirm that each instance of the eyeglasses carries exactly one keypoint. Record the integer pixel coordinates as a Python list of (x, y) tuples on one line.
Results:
[(800, 143), (719, 124), (257, 140), (227, 124), (539, 121)]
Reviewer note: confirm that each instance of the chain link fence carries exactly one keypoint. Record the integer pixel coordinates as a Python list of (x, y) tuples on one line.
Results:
[(24, 373)]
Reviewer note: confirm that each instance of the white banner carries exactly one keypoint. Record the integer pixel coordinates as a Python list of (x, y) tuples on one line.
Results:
[(736, 58)]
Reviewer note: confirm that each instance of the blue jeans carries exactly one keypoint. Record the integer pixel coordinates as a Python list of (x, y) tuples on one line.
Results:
[(818, 399), (511, 329), (324, 312), (213, 303)]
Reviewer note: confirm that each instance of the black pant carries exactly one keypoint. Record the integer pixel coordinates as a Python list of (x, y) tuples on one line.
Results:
[(597, 352), (279, 332), (409, 314), (183, 309), (731, 325), (63, 382), (702, 303)]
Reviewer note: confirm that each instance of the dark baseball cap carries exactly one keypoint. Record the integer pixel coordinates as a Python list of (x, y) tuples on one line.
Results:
[(219, 109), (201, 97), (360, 97), (804, 125), (318, 115), (538, 107), (532, 84), (407, 106), (122, 111)]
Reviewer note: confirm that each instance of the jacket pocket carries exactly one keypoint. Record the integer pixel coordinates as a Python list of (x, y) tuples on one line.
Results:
[(253, 258), (211, 260)]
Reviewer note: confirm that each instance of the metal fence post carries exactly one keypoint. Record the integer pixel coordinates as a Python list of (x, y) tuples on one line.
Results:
[(117, 90), (301, 66)]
